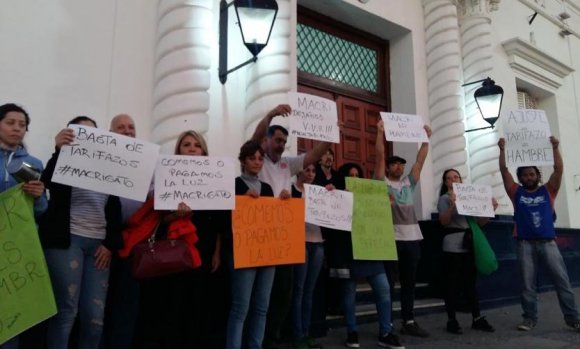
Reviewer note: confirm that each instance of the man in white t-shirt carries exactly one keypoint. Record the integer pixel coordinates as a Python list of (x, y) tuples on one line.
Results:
[(277, 172)]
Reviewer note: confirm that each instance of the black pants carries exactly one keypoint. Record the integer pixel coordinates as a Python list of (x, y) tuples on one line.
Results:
[(405, 271), (460, 280)]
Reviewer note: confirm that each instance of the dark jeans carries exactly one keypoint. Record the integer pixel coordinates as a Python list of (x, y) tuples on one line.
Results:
[(460, 279), (280, 303), (405, 270)]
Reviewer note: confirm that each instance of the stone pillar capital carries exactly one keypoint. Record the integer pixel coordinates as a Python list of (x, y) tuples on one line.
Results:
[(476, 8)]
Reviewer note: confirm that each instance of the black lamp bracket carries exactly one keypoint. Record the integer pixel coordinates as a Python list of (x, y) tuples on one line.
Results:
[(475, 82), (223, 59)]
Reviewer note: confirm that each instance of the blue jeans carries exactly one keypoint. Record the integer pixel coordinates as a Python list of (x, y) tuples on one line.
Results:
[(530, 254), (380, 286), (305, 277), (250, 296), (77, 285)]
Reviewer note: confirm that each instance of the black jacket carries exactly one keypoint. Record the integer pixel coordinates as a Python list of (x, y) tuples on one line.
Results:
[(54, 225)]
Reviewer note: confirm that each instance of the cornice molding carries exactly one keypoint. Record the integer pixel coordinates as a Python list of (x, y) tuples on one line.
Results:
[(531, 62)]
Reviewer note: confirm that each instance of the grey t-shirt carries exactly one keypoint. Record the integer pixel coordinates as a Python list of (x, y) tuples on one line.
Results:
[(453, 242)]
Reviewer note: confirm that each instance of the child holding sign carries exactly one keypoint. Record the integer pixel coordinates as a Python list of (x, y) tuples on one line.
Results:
[(306, 274), (458, 256)]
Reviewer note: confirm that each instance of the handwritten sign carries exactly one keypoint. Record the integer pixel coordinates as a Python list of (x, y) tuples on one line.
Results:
[(473, 200), (404, 128), (26, 296), (107, 162), (373, 234), (268, 231), (328, 208), (527, 135), (313, 117), (202, 182)]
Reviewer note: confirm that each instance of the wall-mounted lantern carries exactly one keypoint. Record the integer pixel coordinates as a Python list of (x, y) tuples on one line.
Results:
[(256, 20), (488, 98)]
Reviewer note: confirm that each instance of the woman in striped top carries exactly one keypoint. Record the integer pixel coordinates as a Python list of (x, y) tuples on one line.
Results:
[(80, 231)]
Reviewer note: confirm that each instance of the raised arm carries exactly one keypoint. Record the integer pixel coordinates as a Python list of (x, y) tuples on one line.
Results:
[(262, 127), (421, 156), (508, 180), (380, 152), (314, 154), (556, 178)]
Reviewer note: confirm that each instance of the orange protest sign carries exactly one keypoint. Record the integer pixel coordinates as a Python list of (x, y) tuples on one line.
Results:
[(268, 231)]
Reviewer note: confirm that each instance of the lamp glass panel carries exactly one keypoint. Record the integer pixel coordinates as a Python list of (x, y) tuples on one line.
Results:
[(489, 105), (255, 24)]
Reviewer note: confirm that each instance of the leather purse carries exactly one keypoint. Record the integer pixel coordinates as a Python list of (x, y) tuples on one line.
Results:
[(154, 258)]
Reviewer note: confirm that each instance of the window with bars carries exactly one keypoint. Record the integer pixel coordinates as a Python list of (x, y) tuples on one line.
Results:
[(526, 101), (331, 57)]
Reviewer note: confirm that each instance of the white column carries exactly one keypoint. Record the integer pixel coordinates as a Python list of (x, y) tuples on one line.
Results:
[(475, 25), (444, 74), (182, 75), (274, 74)]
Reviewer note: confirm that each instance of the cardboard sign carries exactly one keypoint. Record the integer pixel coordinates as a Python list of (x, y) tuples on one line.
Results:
[(404, 128), (26, 297), (328, 208), (202, 182), (527, 137), (373, 234), (313, 117), (268, 231), (473, 200), (107, 162)]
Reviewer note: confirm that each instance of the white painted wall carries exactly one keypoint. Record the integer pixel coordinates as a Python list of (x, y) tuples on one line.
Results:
[(67, 58), (561, 104)]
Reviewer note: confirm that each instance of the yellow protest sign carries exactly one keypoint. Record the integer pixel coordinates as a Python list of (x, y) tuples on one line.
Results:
[(373, 233), (268, 231), (26, 296)]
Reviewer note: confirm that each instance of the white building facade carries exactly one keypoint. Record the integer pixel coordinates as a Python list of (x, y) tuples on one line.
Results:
[(158, 61)]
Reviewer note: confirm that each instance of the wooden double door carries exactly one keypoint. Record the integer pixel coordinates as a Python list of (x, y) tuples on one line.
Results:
[(357, 140)]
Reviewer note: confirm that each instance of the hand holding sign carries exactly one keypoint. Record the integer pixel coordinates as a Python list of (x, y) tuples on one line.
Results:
[(267, 231), (474, 200), (328, 208), (527, 138), (405, 128), (313, 117), (105, 162)]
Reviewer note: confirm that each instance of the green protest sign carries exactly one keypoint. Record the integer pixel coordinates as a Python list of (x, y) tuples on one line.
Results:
[(373, 235), (26, 296)]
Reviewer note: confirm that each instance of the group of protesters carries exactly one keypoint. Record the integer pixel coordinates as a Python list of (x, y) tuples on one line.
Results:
[(87, 238)]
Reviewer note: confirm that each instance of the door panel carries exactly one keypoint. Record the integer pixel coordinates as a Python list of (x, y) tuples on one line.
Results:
[(357, 140)]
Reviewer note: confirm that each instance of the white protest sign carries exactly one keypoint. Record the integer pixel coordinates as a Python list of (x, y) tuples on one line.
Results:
[(202, 182), (107, 162), (328, 208), (404, 128), (473, 200), (313, 117), (527, 138)]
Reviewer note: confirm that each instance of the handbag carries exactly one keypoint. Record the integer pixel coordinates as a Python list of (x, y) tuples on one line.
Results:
[(485, 260), (154, 258)]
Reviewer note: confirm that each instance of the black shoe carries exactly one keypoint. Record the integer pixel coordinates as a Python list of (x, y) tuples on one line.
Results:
[(352, 340), (412, 328), (390, 341), (453, 327), (481, 324)]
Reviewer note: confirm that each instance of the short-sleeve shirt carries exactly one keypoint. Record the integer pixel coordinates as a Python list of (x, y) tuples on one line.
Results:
[(453, 242), (404, 217), (279, 174)]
